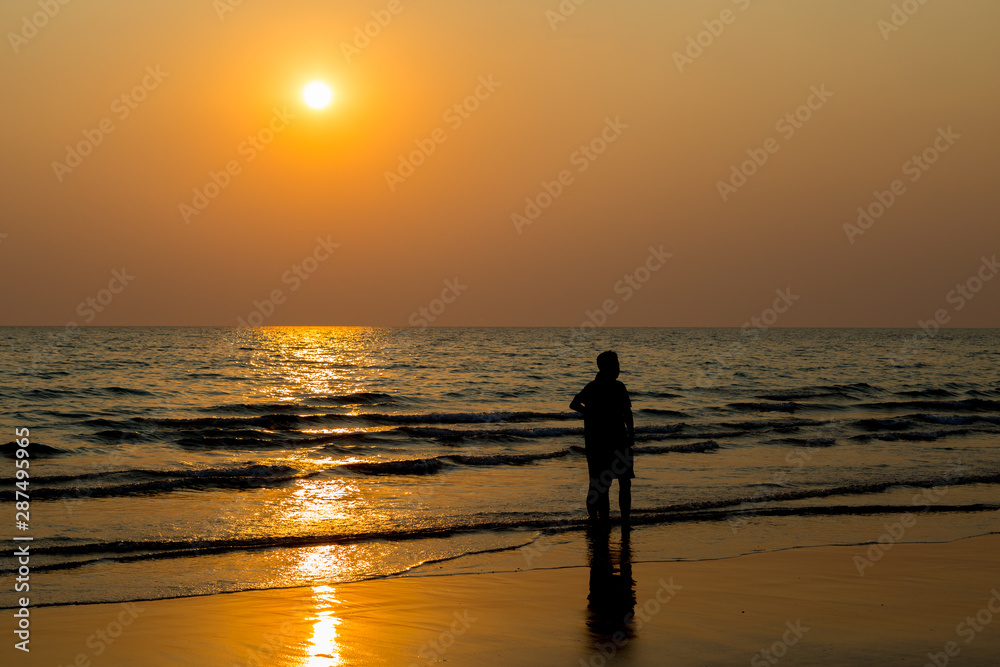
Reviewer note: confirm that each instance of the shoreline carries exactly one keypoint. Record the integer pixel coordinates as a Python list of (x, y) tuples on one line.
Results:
[(415, 571), (810, 603)]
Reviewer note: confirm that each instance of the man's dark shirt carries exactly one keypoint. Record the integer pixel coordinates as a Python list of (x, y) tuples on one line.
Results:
[(604, 429)]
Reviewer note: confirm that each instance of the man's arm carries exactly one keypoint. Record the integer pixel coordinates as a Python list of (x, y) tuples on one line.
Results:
[(629, 425), (577, 404)]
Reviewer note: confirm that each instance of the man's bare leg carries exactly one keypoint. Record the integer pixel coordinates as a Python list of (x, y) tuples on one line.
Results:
[(625, 499)]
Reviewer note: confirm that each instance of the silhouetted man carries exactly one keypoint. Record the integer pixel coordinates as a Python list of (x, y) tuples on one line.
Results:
[(608, 434)]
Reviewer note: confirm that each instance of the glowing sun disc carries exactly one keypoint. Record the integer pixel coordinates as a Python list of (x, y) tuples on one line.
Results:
[(317, 95)]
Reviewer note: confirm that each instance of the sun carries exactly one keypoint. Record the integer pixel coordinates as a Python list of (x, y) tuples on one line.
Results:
[(317, 95)]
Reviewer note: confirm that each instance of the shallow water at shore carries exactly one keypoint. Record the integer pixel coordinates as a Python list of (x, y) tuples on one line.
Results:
[(179, 461)]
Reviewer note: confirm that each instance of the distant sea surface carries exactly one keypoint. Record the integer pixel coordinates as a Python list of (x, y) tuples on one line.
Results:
[(179, 461)]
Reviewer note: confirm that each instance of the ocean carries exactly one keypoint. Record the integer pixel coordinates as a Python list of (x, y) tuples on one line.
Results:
[(175, 461)]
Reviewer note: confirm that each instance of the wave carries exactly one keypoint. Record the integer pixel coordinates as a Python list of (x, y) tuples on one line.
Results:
[(654, 394), (507, 459), (138, 551), (48, 393), (863, 488), (984, 392), (883, 424), (145, 482), (514, 433), (765, 407), (472, 417), (65, 415), (722, 510), (356, 398), (806, 442), (122, 391), (929, 393), (232, 442), (213, 437), (660, 411), (290, 420), (429, 466), (36, 449), (117, 435), (910, 436), (707, 446), (853, 390), (772, 424), (897, 424), (87, 391), (955, 420), (657, 437), (970, 405)]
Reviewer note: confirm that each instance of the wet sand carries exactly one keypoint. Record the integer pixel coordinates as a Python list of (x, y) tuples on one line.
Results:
[(915, 605)]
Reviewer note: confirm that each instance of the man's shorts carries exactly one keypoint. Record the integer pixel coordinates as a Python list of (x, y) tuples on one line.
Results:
[(618, 461)]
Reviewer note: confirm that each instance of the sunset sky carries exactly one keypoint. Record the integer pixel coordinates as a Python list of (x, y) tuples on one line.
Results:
[(623, 122)]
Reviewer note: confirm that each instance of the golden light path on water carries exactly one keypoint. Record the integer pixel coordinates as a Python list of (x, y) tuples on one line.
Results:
[(291, 363), (323, 504), (324, 649), (301, 361)]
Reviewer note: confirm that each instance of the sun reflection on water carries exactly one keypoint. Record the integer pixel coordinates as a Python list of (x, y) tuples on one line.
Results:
[(324, 649), (292, 363)]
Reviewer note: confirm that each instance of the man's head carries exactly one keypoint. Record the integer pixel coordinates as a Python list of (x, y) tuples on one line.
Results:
[(607, 363)]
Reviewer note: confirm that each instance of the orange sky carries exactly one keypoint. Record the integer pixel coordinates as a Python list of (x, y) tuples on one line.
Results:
[(617, 110)]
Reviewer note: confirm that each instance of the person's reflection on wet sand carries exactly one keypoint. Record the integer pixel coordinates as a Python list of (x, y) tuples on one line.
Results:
[(612, 592)]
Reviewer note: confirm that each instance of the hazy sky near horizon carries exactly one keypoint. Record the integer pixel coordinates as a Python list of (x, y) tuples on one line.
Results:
[(525, 166)]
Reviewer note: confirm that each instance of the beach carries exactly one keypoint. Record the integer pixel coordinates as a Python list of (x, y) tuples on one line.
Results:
[(529, 333), (916, 604), (315, 496)]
